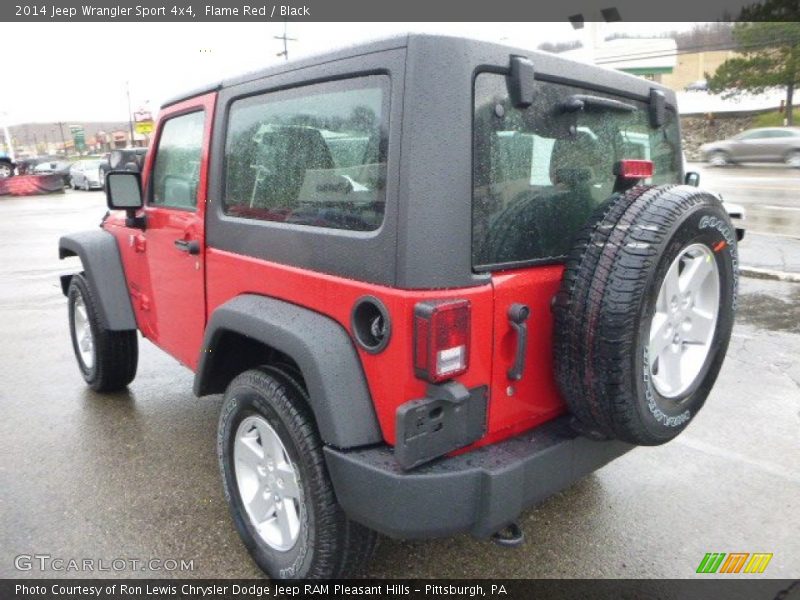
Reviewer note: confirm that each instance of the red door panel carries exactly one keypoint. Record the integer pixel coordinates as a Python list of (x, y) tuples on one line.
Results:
[(174, 181), (177, 299), (533, 399)]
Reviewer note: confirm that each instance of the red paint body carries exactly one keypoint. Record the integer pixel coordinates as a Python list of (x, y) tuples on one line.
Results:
[(175, 293)]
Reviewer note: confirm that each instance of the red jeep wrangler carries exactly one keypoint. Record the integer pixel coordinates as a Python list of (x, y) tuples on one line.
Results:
[(436, 279)]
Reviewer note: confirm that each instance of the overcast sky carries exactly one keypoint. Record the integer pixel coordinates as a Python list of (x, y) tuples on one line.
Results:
[(78, 71)]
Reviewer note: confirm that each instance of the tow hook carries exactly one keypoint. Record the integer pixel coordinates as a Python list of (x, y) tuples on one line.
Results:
[(509, 536)]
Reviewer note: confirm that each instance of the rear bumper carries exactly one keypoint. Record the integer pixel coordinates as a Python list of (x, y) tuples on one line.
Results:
[(478, 492)]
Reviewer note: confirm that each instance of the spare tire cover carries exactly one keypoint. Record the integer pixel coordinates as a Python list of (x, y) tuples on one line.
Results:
[(645, 311)]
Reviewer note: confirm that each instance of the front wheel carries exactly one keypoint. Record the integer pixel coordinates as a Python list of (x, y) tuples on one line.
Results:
[(792, 159), (107, 359), (719, 159), (276, 483)]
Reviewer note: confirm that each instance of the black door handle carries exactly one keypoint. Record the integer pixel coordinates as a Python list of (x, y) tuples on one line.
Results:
[(190, 246), (517, 315)]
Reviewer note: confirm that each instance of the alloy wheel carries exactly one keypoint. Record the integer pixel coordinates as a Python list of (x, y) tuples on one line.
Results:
[(683, 326), (268, 483), (83, 332)]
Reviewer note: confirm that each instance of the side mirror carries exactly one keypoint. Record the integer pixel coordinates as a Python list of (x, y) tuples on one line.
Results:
[(692, 178), (124, 192)]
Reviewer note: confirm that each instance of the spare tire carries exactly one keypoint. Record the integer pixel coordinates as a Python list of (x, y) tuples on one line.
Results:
[(645, 311)]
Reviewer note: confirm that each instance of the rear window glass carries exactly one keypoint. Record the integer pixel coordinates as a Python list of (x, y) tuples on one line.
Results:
[(539, 172), (314, 155)]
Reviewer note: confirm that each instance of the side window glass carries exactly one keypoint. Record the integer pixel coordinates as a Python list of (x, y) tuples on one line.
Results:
[(176, 173), (314, 155)]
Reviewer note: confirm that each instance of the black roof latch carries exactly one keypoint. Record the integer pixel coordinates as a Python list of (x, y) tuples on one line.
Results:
[(657, 107), (520, 82)]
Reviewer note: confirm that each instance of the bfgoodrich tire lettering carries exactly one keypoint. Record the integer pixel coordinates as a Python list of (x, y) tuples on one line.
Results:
[(328, 544), (607, 301)]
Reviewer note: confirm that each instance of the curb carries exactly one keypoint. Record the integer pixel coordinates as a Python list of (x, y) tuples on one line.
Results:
[(759, 273)]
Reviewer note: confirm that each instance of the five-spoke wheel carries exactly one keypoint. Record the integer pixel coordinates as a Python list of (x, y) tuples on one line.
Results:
[(684, 321), (267, 482)]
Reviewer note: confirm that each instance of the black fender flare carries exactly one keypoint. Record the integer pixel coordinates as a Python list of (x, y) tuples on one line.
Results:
[(321, 347), (105, 275)]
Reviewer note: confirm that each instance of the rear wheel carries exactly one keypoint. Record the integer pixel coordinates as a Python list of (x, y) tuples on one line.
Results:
[(276, 483), (719, 159), (6, 170), (645, 311), (107, 359)]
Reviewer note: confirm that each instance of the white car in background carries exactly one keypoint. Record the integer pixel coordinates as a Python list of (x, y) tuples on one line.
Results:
[(86, 175)]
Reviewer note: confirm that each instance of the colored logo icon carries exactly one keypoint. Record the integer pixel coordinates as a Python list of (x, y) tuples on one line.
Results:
[(736, 562)]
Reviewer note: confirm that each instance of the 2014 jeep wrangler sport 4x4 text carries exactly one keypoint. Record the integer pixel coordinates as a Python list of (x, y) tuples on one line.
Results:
[(436, 279)]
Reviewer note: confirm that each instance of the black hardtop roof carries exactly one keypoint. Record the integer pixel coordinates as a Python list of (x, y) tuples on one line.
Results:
[(543, 62)]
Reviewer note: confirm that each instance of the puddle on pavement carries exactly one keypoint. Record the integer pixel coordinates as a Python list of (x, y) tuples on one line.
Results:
[(770, 311)]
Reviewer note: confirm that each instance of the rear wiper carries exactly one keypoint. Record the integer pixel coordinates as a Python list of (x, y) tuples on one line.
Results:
[(578, 102)]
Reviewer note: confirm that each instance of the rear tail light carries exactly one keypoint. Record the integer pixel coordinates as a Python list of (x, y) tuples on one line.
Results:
[(634, 169), (441, 339)]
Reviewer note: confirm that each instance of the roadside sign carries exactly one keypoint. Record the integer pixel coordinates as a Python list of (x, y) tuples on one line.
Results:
[(143, 127), (143, 121), (78, 137)]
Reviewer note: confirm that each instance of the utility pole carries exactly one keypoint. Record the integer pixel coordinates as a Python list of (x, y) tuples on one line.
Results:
[(130, 112), (285, 39), (63, 140)]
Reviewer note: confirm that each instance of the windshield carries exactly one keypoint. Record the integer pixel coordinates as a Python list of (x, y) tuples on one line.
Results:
[(539, 172)]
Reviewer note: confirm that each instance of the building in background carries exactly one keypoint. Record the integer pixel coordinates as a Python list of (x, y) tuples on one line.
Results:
[(692, 67), (35, 139)]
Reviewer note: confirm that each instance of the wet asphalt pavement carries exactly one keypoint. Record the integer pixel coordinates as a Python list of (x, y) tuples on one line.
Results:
[(134, 475)]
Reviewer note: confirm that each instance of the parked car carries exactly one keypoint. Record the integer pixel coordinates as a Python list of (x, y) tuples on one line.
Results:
[(124, 159), (26, 166), (54, 167), (436, 279), (765, 144), (6, 165), (86, 175), (701, 85)]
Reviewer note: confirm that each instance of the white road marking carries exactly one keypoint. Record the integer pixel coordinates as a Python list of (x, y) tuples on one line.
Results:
[(776, 207)]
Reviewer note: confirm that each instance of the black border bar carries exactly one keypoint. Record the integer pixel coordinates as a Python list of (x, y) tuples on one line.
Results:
[(734, 587), (576, 11)]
